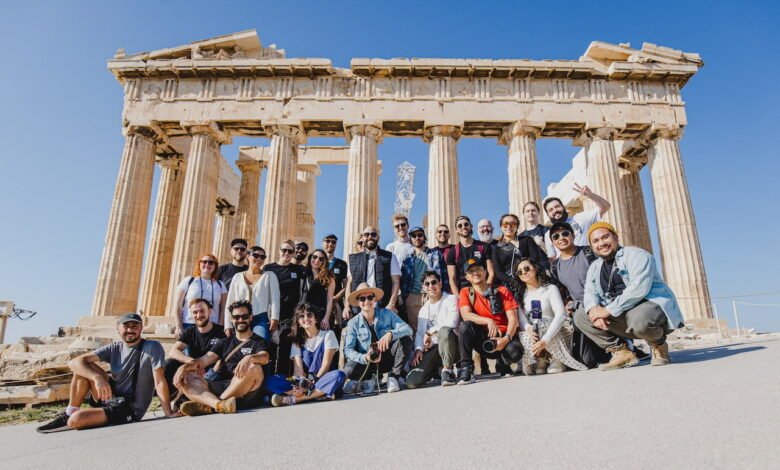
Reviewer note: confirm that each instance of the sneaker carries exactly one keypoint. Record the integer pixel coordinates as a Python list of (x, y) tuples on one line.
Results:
[(503, 368), (227, 406), (282, 400), (59, 423), (466, 376), (415, 377), (351, 387), (556, 367), (194, 408), (447, 377), (528, 369), (660, 354), (367, 387), (621, 357), (392, 385)]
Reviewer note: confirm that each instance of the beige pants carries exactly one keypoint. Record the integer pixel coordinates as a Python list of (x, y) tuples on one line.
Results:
[(413, 303)]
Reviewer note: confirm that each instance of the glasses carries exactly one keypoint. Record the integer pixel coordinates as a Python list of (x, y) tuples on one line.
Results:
[(562, 233), (329, 240), (287, 250), (301, 248), (417, 235), (208, 261), (430, 283), (370, 234), (243, 316), (442, 231), (464, 225), (364, 298), (239, 248), (510, 224), (257, 255), (303, 315), (401, 225), (524, 270), (317, 258)]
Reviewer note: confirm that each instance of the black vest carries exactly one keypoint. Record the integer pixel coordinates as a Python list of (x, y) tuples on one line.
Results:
[(358, 264)]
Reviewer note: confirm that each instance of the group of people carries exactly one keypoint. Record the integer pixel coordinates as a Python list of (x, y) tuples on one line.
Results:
[(311, 326)]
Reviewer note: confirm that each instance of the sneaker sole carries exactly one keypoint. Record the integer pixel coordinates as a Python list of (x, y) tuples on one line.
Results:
[(664, 363), (47, 431), (448, 384), (630, 363)]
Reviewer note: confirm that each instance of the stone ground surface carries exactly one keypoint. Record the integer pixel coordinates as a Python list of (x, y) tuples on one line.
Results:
[(715, 407)]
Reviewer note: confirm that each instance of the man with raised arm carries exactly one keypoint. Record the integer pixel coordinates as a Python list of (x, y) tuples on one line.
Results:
[(580, 222)]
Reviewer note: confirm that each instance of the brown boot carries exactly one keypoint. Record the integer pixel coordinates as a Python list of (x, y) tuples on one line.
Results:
[(194, 408), (660, 354), (621, 357), (227, 406)]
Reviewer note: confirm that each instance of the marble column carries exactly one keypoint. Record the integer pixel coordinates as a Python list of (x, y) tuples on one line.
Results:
[(157, 273), (306, 203), (279, 204), (523, 168), (226, 231), (638, 232), (362, 205), (683, 266), (602, 171), (443, 185), (248, 199), (119, 276), (195, 230)]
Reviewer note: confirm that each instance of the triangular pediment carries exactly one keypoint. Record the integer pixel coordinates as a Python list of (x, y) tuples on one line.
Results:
[(241, 45)]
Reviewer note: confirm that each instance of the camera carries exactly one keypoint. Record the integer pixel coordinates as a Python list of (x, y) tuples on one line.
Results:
[(536, 314), (489, 346), (496, 306), (305, 383), (373, 352)]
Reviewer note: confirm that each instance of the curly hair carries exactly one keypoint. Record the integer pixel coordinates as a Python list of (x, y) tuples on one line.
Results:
[(323, 275), (297, 332), (541, 277), (240, 303)]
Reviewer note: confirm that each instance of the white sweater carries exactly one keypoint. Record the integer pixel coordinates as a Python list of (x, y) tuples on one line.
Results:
[(432, 317), (264, 295), (552, 308)]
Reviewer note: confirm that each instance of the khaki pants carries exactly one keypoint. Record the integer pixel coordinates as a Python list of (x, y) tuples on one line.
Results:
[(413, 303)]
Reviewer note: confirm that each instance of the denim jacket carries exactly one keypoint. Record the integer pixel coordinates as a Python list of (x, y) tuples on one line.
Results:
[(358, 338), (643, 281)]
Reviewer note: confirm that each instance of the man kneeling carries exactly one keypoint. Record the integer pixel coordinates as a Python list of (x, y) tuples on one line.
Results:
[(123, 396), (625, 297), (239, 373)]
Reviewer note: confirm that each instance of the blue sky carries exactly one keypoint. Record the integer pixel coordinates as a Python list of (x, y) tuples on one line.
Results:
[(61, 143)]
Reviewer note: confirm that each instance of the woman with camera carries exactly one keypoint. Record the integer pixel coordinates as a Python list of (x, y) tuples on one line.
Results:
[(510, 249), (319, 287), (260, 288), (203, 284), (313, 353), (550, 339)]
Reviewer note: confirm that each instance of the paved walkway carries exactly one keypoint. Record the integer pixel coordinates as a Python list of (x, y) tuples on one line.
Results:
[(715, 407)]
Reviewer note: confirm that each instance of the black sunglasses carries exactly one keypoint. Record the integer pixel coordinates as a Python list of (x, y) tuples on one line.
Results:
[(432, 282), (524, 270), (239, 248), (417, 235), (207, 261), (287, 250), (242, 316), (370, 234), (257, 255), (364, 298), (402, 224), (562, 233), (318, 258)]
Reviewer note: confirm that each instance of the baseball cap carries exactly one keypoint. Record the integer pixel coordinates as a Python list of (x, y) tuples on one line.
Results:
[(416, 229), (330, 235), (129, 317), (561, 226), (472, 263)]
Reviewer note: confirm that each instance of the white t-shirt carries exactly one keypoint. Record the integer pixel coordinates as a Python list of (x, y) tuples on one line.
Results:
[(432, 317), (395, 269), (311, 344), (552, 308), (401, 250), (209, 289), (580, 223)]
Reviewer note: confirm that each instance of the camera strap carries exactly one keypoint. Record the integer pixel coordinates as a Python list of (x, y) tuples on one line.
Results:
[(219, 363)]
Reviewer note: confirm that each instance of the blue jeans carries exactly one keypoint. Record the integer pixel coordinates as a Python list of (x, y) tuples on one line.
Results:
[(260, 326)]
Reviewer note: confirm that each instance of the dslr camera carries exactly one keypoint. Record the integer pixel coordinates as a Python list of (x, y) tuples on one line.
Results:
[(496, 306), (373, 352), (306, 383), (489, 346)]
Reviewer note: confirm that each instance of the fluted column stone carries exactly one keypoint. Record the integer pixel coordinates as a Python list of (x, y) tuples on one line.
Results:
[(683, 265), (638, 232), (248, 199), (443, 183), (362, 205), (523, 167), (602, 171), (279, 204), (157, 273), (306, 203), (195, 230), (226, 231), (119, 275)]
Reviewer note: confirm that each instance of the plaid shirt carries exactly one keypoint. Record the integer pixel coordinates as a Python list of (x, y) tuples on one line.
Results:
[(414, 267)]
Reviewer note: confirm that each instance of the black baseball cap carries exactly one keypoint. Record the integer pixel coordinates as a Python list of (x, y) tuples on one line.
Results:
[(303, 245), (331, 235), (129, 317), (239, 241), (473, 263), (417, 229), (561, 226)]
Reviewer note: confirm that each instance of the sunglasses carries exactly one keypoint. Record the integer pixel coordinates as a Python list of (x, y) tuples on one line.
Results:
[(430, 283), (208, 261), (562, 233), (243, 316), (318, 258), (464, 225), (524, 270), (510, 224), (401, 225), (257, 255), (417, 235), (287, 250), (329, 240), (442, 231), (370, 234), (364, 298), (239, 248), (302, 248), (303, 315)]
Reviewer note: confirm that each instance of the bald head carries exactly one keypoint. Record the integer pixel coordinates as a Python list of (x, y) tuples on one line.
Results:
[(371, 237)]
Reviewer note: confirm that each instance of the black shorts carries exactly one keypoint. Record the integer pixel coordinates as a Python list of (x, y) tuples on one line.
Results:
[(117, 410), (252, 399)]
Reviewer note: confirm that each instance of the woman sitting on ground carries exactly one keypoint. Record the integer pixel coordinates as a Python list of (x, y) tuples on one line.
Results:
[(260, 288), (203, 284), (313, 353), (319, 286), (554, 326)]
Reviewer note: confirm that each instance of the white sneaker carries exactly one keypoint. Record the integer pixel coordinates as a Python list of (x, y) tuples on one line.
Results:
[(367, 387), (351, 387), (392, 385)]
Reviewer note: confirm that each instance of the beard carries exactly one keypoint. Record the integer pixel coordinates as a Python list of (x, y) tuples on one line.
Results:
[(486, 237), (202, 323), (371, 244), (564, 216), (242, 327)]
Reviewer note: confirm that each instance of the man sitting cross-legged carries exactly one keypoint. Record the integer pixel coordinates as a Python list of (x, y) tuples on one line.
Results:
[(436, 341), (123, 396), (239, 374)]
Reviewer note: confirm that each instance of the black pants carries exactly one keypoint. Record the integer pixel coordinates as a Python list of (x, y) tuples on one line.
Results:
[(471, 338), (392, 361)]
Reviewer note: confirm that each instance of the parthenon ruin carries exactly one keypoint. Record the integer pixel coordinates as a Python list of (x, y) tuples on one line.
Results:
[(622, 105)]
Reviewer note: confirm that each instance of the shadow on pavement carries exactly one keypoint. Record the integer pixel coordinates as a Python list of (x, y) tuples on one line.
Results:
[(715, 352)]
